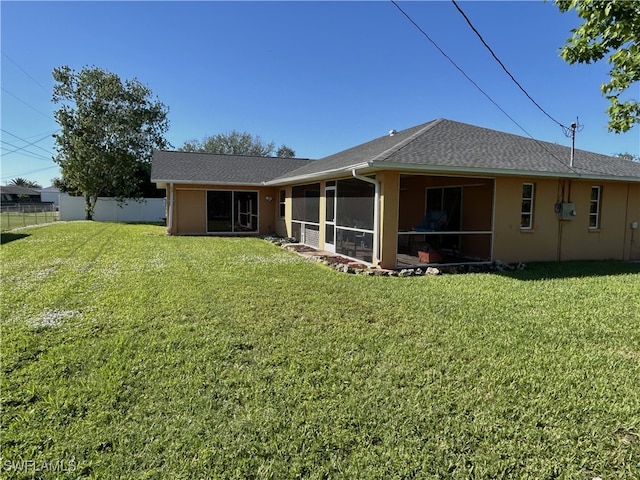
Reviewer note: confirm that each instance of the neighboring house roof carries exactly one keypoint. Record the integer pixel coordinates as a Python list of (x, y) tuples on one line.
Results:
[(445, 145), (15, 190), (206, 168)]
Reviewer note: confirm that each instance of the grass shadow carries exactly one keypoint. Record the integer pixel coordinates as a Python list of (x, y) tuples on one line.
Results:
[(573, 269), (6, 237)]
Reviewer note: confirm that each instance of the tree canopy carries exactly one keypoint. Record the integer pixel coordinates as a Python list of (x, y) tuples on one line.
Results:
[(109, 129), (63, 186), (611, 27), (237, 143), (285, 152), (628, 156)]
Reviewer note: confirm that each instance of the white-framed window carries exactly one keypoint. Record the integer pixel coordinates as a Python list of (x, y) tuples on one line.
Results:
[(282, 198), (594, 207), (526, 209)]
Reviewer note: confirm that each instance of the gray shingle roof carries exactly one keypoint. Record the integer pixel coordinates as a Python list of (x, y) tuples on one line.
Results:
[(453, 146), (439, 145), (189, 167), (16, 190)]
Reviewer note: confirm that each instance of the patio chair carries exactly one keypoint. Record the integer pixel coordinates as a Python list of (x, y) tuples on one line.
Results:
[(434, 221)]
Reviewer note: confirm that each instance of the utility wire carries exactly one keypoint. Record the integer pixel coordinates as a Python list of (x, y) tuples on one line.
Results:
[(30, 106), (37, 156), (540, 144), (503, 67), (28, 143), (458, 68), (26, 73), (25, 153)]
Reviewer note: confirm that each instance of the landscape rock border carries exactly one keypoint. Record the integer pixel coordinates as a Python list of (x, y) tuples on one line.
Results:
[(347, 265)]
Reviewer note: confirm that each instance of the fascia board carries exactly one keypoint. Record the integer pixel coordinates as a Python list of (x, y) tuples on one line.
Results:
[(498, 171), (203, 182), (324, 174)]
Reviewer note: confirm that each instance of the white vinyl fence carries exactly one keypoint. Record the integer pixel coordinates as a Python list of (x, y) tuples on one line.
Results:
[(109, 210)]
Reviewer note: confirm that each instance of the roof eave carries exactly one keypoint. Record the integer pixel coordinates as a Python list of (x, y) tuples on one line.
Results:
[(317, 176), (158, 181), (498, 171)]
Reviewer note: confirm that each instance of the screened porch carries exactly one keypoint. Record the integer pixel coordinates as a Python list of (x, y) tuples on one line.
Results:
[(337, 215), (444, 220)]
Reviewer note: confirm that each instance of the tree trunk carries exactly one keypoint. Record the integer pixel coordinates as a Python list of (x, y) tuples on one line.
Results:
[(89, 206)]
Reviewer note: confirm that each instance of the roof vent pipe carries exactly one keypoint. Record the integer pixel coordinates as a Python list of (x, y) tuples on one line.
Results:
[(392, 132)]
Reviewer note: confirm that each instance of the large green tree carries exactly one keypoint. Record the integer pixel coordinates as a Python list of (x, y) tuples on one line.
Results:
[(108, 130), (611, 27), (236, 143)]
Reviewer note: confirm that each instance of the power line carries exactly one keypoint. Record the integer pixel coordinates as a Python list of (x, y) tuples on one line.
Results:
[(38, 156), (30, 106), (458, 67), (503, 67), (28, 143), (25, 72), (540, 144)]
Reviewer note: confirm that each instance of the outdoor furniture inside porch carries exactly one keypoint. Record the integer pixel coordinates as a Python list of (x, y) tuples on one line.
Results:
[(443, 247)]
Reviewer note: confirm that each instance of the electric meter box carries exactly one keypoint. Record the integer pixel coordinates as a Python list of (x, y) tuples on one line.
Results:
[(567, 211)]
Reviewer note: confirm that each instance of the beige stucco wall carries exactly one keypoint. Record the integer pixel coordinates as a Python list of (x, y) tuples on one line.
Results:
[(553, 239), (190, 208), (549, 240), (511, 243), (389, 217), (190, 211), (577, 241)]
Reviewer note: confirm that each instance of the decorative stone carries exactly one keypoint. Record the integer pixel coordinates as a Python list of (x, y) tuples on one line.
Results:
[(346, 265)]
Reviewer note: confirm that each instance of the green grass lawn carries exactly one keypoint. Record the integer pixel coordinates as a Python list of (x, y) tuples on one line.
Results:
[(130, 354)]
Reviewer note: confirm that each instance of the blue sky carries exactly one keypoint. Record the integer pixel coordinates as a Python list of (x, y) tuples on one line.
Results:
[(317, 76)]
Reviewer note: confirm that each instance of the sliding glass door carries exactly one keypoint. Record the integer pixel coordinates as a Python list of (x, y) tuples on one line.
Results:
[(232, 211)]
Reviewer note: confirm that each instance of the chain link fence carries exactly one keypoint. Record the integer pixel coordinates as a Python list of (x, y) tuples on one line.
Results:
[(16, 215)]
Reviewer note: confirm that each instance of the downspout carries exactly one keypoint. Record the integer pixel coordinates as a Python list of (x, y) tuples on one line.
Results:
[(376, 215), (170, 218)]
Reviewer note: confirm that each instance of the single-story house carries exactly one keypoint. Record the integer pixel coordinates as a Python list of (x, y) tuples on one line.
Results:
[(16, 194), (440, 192)]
